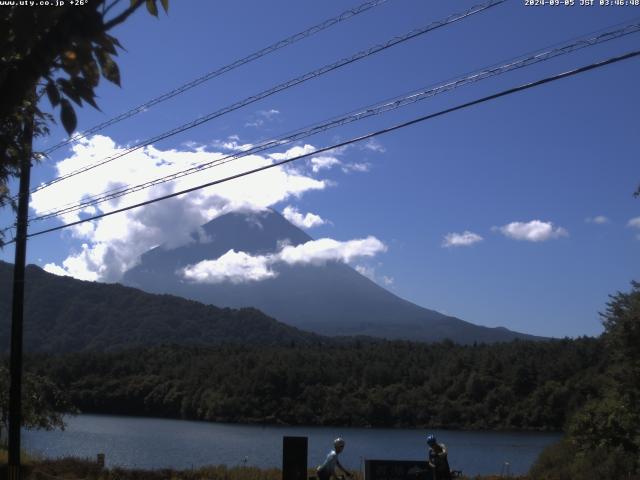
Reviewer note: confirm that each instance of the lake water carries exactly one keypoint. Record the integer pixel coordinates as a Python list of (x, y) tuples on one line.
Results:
[(159, 443)]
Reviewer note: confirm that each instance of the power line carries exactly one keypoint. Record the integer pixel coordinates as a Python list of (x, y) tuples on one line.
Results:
[(352, 12), (383, 107), (393, 128), (283, 86)]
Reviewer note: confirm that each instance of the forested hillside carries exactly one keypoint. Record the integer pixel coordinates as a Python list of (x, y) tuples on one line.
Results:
[(518, 385), (63, 314)]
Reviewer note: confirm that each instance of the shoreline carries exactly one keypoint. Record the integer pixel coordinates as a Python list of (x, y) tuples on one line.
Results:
[(293, 425), (86, 469)]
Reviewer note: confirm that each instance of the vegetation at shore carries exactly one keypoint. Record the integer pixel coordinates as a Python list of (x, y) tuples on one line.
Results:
[(518, 385), (74, 468), (603, 437)]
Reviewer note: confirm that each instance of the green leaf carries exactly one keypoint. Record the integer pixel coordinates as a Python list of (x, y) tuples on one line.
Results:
[(82, 88), (69, 90), (165, 5), (106, 42), (152, 7), (68, 116), (112, 73), (114, 40), (91, 72), (110, 69), (53, 93)]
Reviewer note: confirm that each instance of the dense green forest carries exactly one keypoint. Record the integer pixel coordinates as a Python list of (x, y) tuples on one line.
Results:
[(518, 385)]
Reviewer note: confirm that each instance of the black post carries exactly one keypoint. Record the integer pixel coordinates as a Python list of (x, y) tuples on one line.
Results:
[(15, 390), (294, 458)]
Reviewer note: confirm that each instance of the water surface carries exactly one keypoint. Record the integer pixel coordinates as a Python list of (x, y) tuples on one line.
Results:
[(159, 443)]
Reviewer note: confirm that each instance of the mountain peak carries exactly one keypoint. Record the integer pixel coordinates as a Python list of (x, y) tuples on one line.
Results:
[(330, 298)]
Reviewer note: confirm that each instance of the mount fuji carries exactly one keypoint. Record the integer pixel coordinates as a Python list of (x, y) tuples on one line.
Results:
[(330, 298)]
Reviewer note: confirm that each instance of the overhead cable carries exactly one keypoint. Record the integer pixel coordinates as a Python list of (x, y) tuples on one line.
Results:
[(352, 12), (377, 109), (283, 86), (488, 98)]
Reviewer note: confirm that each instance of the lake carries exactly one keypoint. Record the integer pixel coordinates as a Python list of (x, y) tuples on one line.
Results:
[(159, 443)]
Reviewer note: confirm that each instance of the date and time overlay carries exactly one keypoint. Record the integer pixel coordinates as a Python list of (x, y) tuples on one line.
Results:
[(526, 3)]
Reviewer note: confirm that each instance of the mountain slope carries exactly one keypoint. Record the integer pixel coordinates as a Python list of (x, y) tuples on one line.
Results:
[(331, 299), (63, 314)]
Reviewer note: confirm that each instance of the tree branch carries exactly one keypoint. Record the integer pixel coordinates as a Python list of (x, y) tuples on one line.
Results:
[(107, 8), (122, 17)]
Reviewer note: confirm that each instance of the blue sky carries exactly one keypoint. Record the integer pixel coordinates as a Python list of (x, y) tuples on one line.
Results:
[(540, 181)]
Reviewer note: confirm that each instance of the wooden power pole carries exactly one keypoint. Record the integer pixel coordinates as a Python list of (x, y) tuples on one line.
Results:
[(17, 310)]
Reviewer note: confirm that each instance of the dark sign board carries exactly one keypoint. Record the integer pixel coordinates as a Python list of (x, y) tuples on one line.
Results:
[(396, 470), (294, 458)]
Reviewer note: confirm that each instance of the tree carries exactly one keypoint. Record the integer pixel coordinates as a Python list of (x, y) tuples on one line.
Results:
[(622, 337), (603, 437), (43, 403), (59, 52)]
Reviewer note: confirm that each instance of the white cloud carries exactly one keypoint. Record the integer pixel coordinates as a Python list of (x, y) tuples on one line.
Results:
[(261, 117), (634, 223), (194, 145), (113, 244), (323, 162), (366, 271), (533, 231), (235, 267), (238, 267), (464, 239), (55, 269), (362, 167), (374, 145), (599, 220), (317, 252), (370, 272), (86, 264), (268, 113), (293, 152), (309, 220), (231, 143)]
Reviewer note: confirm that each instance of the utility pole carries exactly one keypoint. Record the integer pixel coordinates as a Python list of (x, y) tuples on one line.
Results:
[(17, 310)]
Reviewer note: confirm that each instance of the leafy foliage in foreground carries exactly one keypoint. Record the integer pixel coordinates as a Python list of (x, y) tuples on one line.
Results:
[(43, 403), (603, 437), (58, 52), (519, 385)]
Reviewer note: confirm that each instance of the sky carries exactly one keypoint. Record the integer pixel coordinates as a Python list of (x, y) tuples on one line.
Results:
[(518, 212)]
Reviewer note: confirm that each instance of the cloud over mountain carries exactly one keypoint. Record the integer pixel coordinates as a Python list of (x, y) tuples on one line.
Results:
[(235, 267), (240, 267), (113, 244), (309, 220)]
